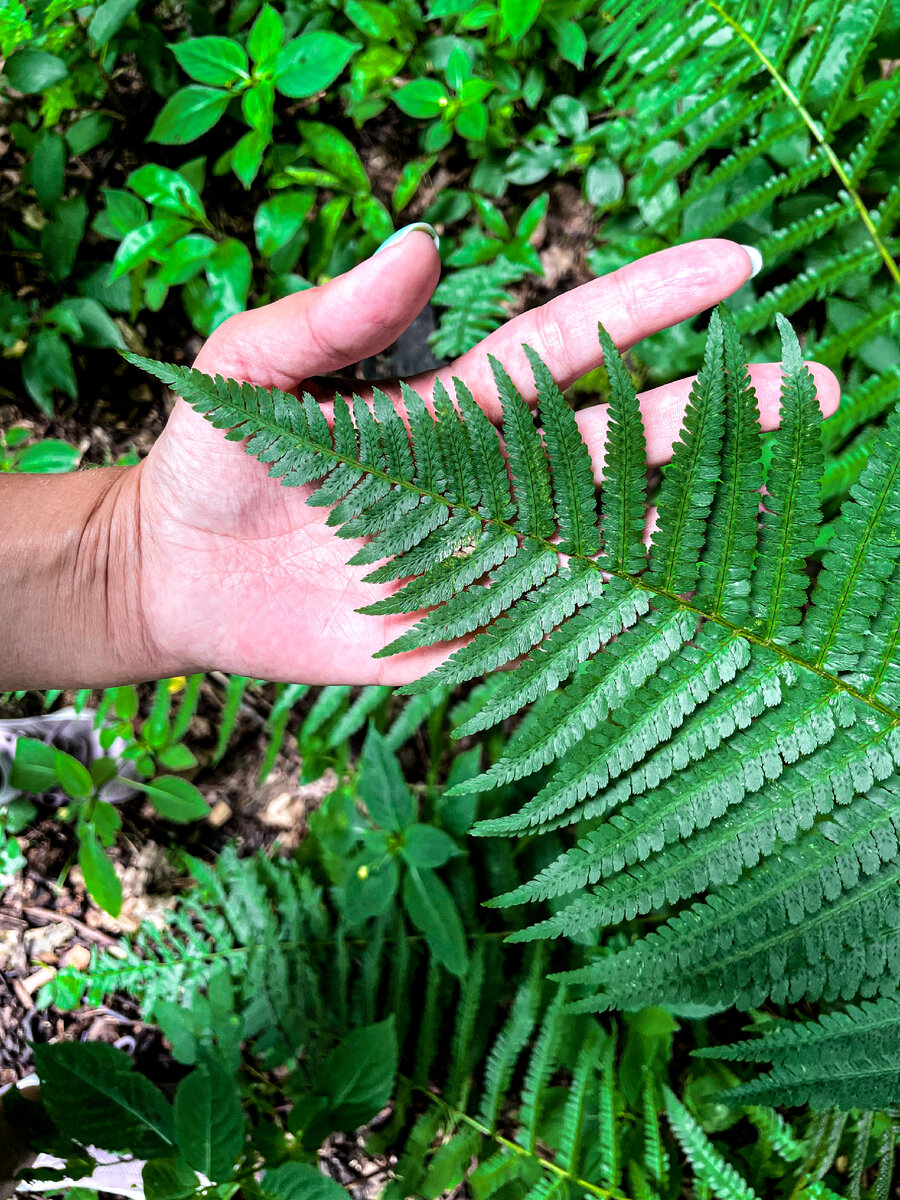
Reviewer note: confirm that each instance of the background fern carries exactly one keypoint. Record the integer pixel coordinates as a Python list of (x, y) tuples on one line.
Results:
[(715, 147), (498, 1088)]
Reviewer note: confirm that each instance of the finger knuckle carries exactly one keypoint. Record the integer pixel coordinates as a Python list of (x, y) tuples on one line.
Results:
[(551, 338)]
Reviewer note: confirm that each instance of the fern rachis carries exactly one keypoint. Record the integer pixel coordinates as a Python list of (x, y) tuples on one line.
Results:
[(696, 697)]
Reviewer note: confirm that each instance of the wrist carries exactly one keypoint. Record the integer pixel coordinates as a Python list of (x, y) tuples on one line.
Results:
[(70, 581), (107, 583)]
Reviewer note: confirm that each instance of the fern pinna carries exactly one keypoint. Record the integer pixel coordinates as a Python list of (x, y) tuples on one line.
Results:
[(723, 733)]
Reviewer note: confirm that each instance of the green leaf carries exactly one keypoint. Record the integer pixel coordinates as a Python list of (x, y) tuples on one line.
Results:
[(96, 327), (168, 190), (382, 788), (491, 217), (527, 460), (373, 216), (88, 133), (299, 1181), (61, 318), (31, 71), (34, 766), (568, 116), (104, 816), (408, 183), (117, 1109), (100, 876), (229, 272), (61, 237), (164, 1179), (517, 16), (174, 798), (278, 219), (370, 892), (709, 1167), (102, 770), (209, 1119), (125, 212), (336, 153), (188, 115), (125, 702), (143, 243), (267, 35), (108, 19), (258, 107), (48, 169), (73, 777), (531, 164), (49, 457), (527, 224), (177, 757), (247, 156), (433, 911), (426, 846), (571, 43), (360, 1074), (47, 366), (472, 121), (215, 60), (422, 98), (573, 479), (604, 183), (311, 62), (373, 18)]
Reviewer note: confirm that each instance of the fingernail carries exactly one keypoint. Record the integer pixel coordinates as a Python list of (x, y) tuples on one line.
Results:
[(405, 232), (755, 258)]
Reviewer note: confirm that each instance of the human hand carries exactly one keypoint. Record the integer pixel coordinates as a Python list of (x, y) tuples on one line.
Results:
[(237, 572)]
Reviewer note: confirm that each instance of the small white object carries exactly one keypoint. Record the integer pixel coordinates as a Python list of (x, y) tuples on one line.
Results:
[(120, 1178), (755, 257), (405, 231)]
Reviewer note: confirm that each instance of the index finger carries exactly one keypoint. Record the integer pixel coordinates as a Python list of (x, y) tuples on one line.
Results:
[(633, 302)]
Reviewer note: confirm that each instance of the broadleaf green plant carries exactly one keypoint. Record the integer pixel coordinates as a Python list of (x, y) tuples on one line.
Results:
[(224, 70)]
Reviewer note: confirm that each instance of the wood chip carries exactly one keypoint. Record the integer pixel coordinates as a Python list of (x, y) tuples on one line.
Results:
[(219, 814), (23, 996), (43, 915), (44, 941), (76, 956), (38, 979)]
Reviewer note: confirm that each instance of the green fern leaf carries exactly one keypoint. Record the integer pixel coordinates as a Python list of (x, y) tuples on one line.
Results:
[(726, 567), (792, 491), (624, 472), (708, 1165), (573, 478), (867, 538), (865, 403), (844, 1059), (688, 488), (507, 1049)]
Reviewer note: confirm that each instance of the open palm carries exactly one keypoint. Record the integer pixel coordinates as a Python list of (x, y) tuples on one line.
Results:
[(239, 573)]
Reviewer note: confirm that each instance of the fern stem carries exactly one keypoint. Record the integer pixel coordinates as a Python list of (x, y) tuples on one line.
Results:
[(814, 129), (456, 1118)]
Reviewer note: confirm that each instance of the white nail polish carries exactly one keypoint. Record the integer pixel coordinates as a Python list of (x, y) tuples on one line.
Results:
[(755, 258), (406, 231)]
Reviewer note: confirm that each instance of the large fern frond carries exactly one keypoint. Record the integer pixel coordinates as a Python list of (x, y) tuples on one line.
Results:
[(702, 705), (845, 1059)]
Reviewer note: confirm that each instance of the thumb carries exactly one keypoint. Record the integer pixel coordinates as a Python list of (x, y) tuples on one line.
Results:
[(326, 328)]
